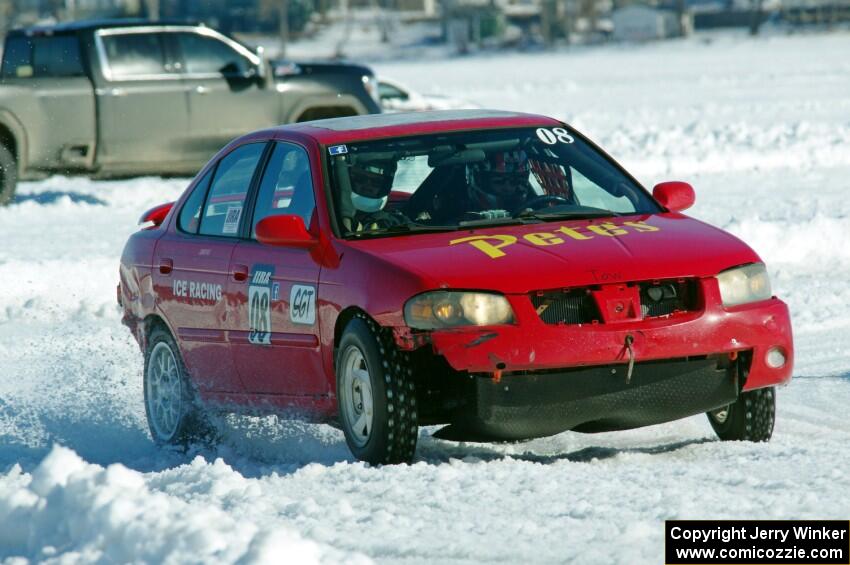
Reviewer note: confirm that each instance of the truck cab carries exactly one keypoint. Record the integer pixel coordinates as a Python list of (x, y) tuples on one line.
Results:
[(123, 98)]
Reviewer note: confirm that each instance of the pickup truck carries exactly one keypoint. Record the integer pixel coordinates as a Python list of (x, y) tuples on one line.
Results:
[(123, 98)]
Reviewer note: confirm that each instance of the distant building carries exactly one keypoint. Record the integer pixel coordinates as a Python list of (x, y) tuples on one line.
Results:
[(637, 22)]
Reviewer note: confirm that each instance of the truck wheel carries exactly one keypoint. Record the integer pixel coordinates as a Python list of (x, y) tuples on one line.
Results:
[(175, 415), (750, 418), (8, 175), (376, 395)]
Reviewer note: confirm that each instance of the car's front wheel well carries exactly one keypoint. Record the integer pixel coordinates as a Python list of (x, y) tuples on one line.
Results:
[(342, 321), (439, 388)]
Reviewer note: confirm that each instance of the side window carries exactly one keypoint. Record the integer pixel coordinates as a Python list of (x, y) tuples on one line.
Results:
[(208, 55), (287, 187), (229, 188), (57, 56), (17, 58), (133, 55), (190, 215)]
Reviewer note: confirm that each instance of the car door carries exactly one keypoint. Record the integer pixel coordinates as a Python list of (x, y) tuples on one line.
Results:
[(142, 104), (227, 96), (191, 268), (276, 346)]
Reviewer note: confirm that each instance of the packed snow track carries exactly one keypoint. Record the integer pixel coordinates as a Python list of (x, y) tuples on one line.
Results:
[(761, 128)]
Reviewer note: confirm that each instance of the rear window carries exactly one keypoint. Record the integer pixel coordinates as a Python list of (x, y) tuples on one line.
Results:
[(48, 56)]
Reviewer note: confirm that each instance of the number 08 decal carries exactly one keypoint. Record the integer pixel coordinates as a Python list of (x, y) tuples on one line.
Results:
[(302, 304), (554, 135), (259, 305)]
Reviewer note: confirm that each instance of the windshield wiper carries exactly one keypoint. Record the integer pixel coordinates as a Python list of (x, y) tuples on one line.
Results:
[(521, 219), (403, 228), (586, 213)]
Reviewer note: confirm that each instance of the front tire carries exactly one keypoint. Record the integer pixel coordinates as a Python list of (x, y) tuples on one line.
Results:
[(376, 395), (8, 175), (175, 415), (750, 418)]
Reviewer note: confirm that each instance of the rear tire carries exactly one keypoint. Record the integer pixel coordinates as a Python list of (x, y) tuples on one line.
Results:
[(376, 395), (8, 175), (750, 418), (174, 412)]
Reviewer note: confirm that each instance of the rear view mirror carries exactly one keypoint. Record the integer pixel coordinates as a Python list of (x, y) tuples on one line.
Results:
[(674, 195), (285, 231)]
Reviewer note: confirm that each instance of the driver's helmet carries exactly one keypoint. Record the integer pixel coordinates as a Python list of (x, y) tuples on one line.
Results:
[(503, 173), (371, 183)]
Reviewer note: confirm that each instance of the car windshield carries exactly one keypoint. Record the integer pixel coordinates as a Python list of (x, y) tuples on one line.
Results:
[(476, 178)]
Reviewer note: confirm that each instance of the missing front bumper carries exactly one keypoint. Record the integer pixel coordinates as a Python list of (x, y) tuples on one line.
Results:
[(593, 399)]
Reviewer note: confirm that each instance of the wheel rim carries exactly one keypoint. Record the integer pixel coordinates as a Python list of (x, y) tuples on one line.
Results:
[(721, 415), (164, 395), (356, 396)]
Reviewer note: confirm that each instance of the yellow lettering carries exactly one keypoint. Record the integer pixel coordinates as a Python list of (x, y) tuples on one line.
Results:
[(607, 228), (480, 242), (543, 238), (575, 234), (641, 226)]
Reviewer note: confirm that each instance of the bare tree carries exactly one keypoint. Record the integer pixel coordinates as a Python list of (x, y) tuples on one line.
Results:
[(339, 48), (680, 16), (283, 25), (152, 7), (756, 17), (6, 10)]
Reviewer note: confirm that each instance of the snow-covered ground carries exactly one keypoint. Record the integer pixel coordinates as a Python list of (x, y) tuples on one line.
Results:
[(762, 130)]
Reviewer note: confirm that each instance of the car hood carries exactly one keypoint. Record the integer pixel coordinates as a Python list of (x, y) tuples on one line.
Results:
[(523, 258)]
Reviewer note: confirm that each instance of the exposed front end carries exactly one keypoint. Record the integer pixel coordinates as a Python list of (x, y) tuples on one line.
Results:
[(609, 357)]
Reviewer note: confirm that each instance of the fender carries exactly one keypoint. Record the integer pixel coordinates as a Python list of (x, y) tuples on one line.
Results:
[(312, 101)]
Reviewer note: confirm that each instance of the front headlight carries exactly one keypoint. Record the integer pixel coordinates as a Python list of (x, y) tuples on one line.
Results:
[(447, 309), (744, 284)]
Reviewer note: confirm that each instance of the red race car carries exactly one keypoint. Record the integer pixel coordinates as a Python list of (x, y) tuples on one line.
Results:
[(493, 271)]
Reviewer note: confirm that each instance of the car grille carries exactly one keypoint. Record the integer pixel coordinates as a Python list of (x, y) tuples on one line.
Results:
[(577, 305), (566, 307)]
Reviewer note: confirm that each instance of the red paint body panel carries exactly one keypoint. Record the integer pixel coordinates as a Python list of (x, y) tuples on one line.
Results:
[(291, 364), (677, 246), (191, 298), (533, 345), (377, 276)]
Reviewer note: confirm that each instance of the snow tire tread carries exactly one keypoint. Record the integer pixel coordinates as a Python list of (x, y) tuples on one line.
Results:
[(750, 418), (401, 430)]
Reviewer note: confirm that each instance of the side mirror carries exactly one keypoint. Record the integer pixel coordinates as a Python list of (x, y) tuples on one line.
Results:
[(674, 195), (285, 231)]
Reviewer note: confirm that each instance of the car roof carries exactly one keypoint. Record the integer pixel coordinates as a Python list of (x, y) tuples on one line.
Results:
[(94, 24), (372, 126)]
